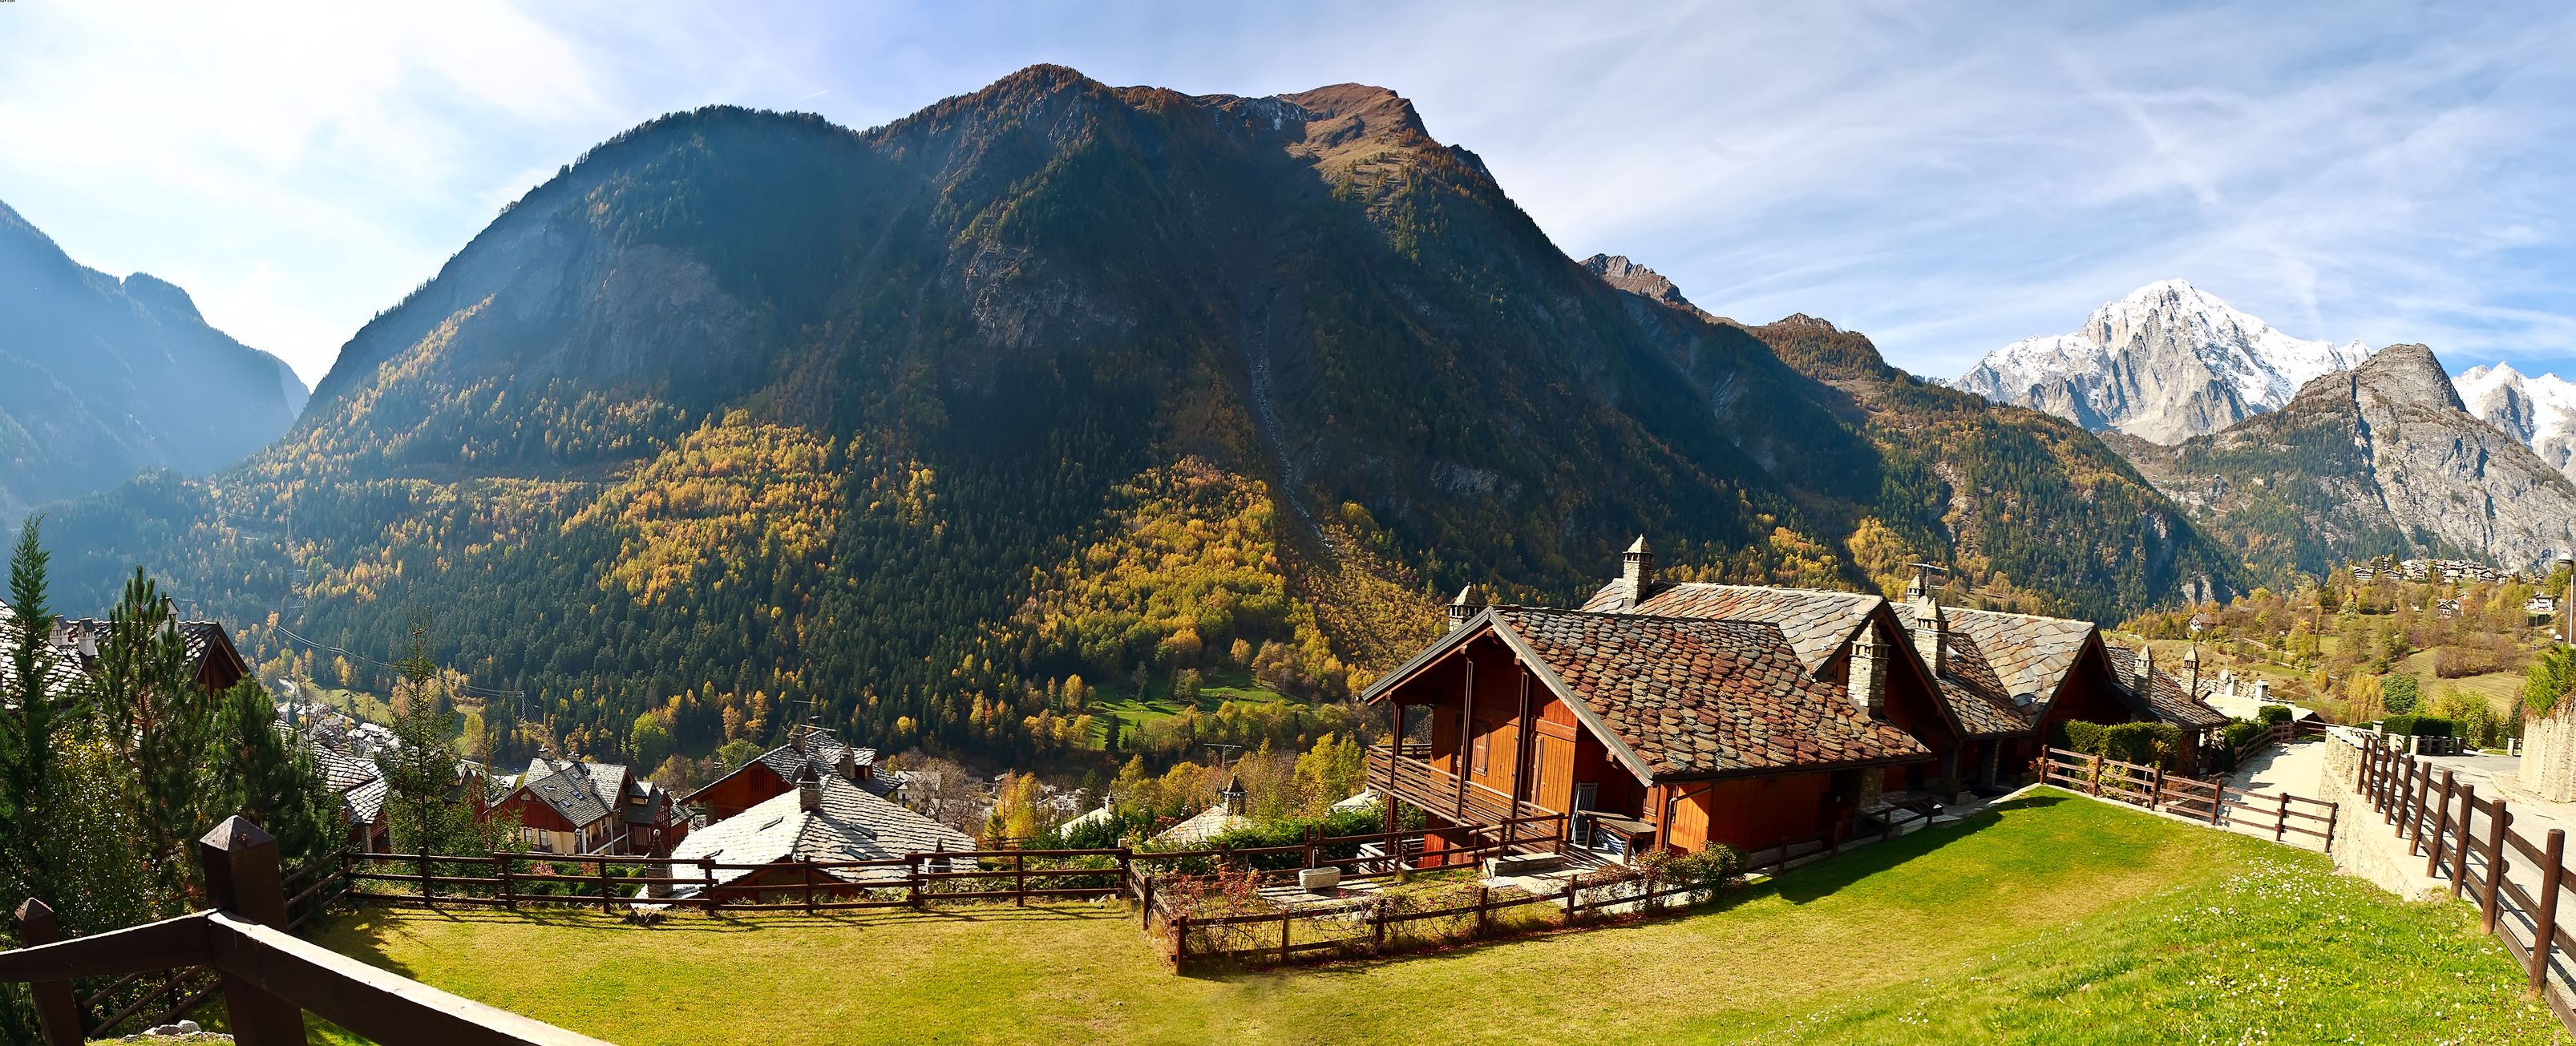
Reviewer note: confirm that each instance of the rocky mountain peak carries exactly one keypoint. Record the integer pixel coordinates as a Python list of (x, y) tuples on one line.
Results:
[(2408, 374), (2165, 362), (1617, 271), (2540, 411)]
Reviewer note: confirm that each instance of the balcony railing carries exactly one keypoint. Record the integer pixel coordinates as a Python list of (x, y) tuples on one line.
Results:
[(1406, 773)]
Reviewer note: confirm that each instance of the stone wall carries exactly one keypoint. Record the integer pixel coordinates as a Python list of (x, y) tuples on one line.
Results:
[(2549, 753), (2365, 844)]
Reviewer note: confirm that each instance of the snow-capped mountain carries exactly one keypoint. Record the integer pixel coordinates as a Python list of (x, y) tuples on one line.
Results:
[(2539, 411), (2166, 363)]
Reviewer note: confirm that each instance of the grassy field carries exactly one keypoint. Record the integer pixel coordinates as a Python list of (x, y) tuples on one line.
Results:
[(2057, 920), (1156, 702)]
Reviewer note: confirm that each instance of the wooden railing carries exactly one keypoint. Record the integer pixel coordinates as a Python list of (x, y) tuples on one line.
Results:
[(269, 979), (2471, 842), (1885, 824), (1405, 775), (2150, 787), (2280, 733)]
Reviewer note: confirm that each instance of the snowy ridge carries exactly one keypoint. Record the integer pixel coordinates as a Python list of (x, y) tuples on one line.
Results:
[(2539, 411), (2167, 362)]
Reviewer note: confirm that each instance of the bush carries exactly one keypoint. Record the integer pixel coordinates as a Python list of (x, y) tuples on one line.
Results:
[(2430, 726), (2240, 732), (2081, 736), (2399, 694), (2273, 715), (2141, 742), (2398, 725)]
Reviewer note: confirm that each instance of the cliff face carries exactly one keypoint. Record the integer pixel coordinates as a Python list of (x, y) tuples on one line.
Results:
[(2384, 458)]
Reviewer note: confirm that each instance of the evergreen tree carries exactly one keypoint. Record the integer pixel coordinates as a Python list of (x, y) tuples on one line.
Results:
[(149, 711), (270, 777)]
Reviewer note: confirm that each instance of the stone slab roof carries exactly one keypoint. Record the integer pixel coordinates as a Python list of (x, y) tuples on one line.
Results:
[(2029, 654), (850, 824), (581, 792), (1696, 697), (1977, 695), (2170, 700), (1815, 622)]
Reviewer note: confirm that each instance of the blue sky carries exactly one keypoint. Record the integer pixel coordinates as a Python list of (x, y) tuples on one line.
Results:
[(1946, 178)]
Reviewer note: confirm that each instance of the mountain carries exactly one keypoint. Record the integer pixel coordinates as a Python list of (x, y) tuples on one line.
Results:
[(2166, 363), (102, 378), (746, 410), (2541, 412), (2384, 458)]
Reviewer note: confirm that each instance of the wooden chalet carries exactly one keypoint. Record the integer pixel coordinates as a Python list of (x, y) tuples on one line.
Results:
[(213, 660), (774, 773), (1685, 714), (823, 817), (567, 806)]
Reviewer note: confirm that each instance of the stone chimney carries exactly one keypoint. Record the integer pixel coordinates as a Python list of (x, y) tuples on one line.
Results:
[(2262, 691), (809, 791), (1233, 796), (2146, 669), (849, 766), (1469, 603), (1636, 573), (2191, 664), (1931, 630), (1867, 683)]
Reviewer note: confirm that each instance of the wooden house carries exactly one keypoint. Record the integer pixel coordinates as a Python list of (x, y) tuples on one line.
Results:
[(773, 773), (823, 816), (568, 806)]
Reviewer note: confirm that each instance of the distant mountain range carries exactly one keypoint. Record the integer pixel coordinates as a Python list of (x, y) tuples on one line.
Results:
[(102, 378), (2166, 363), (2539, 411), (1060, 378)]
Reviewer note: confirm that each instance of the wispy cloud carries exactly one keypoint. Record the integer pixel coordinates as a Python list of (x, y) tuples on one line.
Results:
[(1946, 178)]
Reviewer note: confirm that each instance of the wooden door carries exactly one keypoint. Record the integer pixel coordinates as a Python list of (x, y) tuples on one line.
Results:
[(1555, 772)]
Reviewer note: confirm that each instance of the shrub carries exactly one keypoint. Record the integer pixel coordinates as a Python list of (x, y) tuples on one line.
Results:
[(2141, 742), (2399, 725), (2431, 726), (2273, 715), (2399, 693), (2081, 736), (2242, 731)]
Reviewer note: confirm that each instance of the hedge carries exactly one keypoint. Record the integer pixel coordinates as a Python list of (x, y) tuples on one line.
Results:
[(2126, 742), (2273, 715), (2418, 726)]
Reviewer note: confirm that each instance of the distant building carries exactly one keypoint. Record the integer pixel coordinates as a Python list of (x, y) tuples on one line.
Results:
[(568, 806), (822, 817), (773, 773)]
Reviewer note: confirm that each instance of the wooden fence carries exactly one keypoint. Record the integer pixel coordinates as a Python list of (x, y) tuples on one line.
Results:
[(2470, 841), (2283, 814), (1845, 832), (269, 979)]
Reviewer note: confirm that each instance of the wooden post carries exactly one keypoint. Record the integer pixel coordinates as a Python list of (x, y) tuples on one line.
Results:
[(2460, 853), (509, 900), (2441, 827), (1466, 726), (912, 878), (707, 871), (604, 888), (1377, 926), (1834, 838), (2416, 797), (1020, 880), (1145, 907), (425, 900), (2094, 772), (805, 873), (2544, 934), (2281, 819), (58, 1011), (239, 861), (1286, 919), (1180, 927), (1481, 892), (1569, 901), (2156, 791), (2487, 898), (2217, 800), (1310, 846)]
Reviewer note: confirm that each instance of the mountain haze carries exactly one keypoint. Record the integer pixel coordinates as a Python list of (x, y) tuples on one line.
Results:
[(2384, 458), (102, 378), (2167, 362), (1054, 379)]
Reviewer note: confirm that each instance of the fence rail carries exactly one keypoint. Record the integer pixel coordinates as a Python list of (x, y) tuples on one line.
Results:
[(2283, 814), (2469, 841)]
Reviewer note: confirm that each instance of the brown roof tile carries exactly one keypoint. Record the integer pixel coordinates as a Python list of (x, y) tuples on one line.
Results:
[(1816, 622)]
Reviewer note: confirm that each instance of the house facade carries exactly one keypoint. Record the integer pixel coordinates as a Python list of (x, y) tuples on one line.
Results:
[(774, 773), (568, 806), (1682, 715)]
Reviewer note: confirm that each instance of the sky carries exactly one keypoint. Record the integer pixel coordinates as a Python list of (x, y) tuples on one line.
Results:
[(1946, 178)]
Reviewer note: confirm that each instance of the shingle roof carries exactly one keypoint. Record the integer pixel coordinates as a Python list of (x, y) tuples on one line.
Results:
[(822, 750), (2166, 696), (850, 824), (1696, 697), (2029, 654), (1976, 695), (63, 667), (1816, 622), (581, 792)]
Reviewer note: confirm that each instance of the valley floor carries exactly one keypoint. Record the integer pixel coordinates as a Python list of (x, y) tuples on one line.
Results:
[(2053, 919)]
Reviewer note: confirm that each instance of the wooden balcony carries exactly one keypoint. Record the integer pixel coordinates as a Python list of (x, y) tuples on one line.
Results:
[(1407, 774)]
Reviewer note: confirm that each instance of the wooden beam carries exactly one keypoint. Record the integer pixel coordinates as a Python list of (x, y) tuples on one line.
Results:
[(1521, 743), (1466, 725), (135, 949), (380, 1005), (240, 864), (58, 1011)]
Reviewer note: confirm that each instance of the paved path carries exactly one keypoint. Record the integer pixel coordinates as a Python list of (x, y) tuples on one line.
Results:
[(2295, 768)]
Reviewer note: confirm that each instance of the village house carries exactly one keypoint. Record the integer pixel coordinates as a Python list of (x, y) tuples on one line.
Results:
[(213, 661), (773, 773), (1687, 714), (568, 806), (826, 815)]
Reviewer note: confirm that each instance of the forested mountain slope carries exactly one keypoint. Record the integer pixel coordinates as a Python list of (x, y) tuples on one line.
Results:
[(102, 378), (744, 410)]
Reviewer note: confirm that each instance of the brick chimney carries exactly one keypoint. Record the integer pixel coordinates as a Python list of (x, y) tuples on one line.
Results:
[(1867, 684), (1464, 608), (1636, 573)]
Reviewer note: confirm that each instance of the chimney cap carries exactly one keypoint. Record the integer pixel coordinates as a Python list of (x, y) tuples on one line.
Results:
[(1638, 547), (1469, 597)]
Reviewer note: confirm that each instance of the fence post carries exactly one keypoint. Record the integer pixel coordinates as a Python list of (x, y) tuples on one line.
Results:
[(2156, 791), (1310, 846), (1145, 909), (1126, 870), (707, 870), (604, 889), (2441, 827), (1180, 926), (2495, 866), (1286, 919), (2544, 934), (2217, 801), (2281, 819), (425, 888), (805, 874), (1569, 902), (2460, 853), (58, 1011), (1481, 892), (240, 865), (2415, 820), (1377, 926), (1834, 839), (509, 899), (1020, 880), (912, 877), (2094, 771)]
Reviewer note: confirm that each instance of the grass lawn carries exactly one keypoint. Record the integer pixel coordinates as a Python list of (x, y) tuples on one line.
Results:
[(2056, 920), (1136, 710)]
